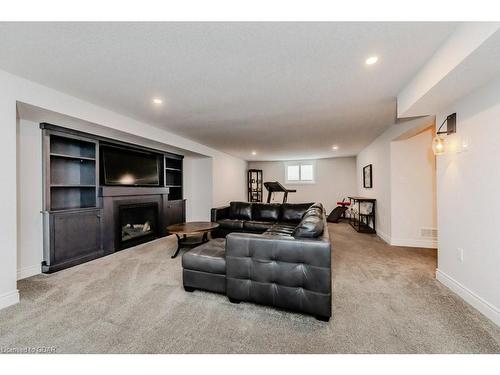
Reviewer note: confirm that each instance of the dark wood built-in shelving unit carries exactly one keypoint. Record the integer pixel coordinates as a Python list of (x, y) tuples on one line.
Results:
[(71, 173), (254, 180), (80, 211), (173, 176)]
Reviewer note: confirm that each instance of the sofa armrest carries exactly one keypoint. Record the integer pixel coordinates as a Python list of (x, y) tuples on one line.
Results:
[(219, 213), (280, 271)]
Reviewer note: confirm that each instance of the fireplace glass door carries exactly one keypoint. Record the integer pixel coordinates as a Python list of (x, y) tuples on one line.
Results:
[(138, 223)]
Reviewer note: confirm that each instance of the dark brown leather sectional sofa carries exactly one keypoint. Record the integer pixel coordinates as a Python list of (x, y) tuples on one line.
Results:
[(274, 254)]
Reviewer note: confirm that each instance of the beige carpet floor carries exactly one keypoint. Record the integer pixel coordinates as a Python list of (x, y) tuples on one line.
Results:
[(386, 300)]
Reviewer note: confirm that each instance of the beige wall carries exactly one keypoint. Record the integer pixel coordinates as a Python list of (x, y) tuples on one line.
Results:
[(29, 203), (335, 179), (229, 180), (413, 190), (468, 201), (378, 153)]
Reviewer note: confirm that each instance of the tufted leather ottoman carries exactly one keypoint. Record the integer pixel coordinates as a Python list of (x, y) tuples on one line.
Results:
[(204, 267)]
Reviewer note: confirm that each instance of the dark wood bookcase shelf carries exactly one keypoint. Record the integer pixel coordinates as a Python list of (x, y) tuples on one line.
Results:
[(71, 172), (173, 177), (254, 181), (79, 214)]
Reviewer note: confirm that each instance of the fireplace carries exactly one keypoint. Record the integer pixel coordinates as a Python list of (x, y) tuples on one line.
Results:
[(137, 223)]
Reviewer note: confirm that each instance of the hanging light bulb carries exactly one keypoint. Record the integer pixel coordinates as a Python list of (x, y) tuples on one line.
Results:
[(439, 142), (438, 145)]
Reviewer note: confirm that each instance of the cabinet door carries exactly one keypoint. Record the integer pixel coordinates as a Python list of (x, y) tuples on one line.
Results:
[(176, 212), (75, 235)]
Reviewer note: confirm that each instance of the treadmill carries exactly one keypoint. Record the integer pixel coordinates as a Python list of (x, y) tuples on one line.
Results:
[(276, 187)]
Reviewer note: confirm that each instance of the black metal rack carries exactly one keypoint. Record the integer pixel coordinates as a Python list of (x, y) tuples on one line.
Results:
[(255, 185), (362, 222)]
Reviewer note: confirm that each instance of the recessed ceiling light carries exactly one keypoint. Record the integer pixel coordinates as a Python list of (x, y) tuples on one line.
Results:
[(335, 147), (157, 101), (254, 153), (371, 60)]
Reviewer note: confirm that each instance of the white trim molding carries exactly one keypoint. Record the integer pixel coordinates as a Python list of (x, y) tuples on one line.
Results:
[(9, 298), (23, 273), (484, 307), (429, 244), (384, 236)]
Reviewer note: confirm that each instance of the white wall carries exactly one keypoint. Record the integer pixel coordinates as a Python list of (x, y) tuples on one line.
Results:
[(229, 180), (413, 190), (468, 186), (8, 195), (198, 187), (29, 218), (16, 89), (335, 179), (378, 153)]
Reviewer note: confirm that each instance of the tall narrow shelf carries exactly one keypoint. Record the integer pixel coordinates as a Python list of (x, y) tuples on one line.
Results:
[(255, 185), (71, 215), (173, 177), (71, 173)]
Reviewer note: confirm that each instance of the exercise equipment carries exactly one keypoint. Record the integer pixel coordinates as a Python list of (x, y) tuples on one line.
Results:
[(276, 187), (338, 212)]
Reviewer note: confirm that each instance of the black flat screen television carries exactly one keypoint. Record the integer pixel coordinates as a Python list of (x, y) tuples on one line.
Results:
[(129, 167)]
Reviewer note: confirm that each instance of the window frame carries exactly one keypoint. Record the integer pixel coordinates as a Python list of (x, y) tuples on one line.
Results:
[(300, 163)]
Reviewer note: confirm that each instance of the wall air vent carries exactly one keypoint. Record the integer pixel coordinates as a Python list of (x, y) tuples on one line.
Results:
[(428, 232)]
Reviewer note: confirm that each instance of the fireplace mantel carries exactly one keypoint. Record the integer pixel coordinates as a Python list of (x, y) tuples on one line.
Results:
[(120, 191)]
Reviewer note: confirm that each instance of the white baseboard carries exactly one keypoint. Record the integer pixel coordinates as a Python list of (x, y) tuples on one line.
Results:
[(484, 307), (29, 271), (9, 298), (384, 236), (429, 244)]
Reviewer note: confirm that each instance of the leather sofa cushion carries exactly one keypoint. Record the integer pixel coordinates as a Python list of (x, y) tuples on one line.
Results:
[(287, 225), (318, 205), (265, 212), (279, 229), (257, 226), (280, 271), (310, 227), (293, 212), (240, 211), (313, 211), (209, 257), (271, 232), (230, 224)]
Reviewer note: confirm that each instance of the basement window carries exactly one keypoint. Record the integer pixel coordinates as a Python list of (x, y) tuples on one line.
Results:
[(300, 172)]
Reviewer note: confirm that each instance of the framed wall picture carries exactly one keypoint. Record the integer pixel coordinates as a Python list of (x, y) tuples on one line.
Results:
[(367, 177)]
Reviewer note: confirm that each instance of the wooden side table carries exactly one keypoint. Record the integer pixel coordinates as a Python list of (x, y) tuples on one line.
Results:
[(182, 231), (361, 221)]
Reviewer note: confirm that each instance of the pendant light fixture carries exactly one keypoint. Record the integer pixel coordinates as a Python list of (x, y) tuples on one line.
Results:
[(439, 141)]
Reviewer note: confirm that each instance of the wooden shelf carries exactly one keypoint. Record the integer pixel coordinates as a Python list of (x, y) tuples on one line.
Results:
[(72, 186), (71, 157), (173, 177), (254, 181), (72, 174)]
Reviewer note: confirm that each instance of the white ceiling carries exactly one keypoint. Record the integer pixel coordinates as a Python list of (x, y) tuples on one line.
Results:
[(286, 90)]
